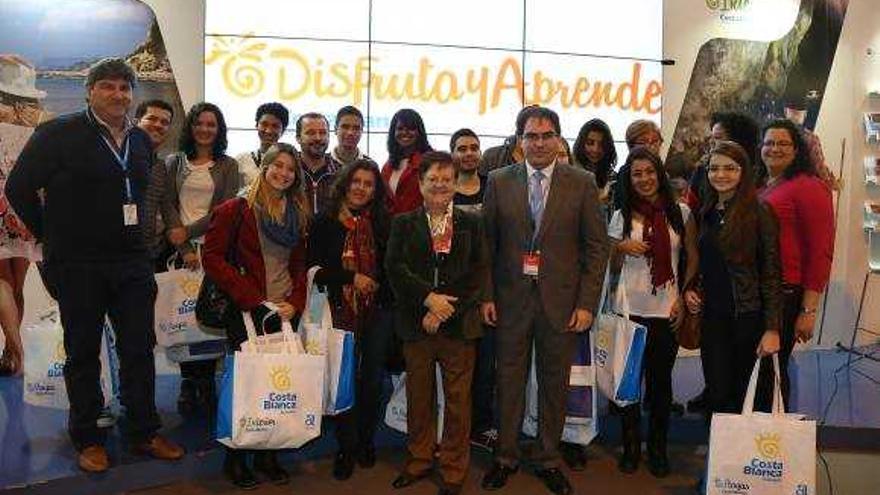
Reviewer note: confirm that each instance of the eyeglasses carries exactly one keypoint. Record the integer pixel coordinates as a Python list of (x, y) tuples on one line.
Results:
[(729, 169), (777, 144), (534, 136)]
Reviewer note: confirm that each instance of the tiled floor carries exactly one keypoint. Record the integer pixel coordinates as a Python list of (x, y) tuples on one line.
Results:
[(839, 389)]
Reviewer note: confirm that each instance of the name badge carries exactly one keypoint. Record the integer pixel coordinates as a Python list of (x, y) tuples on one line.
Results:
[(531, 264), (130, 214)]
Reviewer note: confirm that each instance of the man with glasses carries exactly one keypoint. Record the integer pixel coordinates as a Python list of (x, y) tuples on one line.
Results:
[(548, 248)]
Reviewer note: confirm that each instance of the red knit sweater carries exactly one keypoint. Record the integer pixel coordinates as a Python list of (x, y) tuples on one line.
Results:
[(805, 211)]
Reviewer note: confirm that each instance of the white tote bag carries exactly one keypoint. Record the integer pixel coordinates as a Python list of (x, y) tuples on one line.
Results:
[(271, 394), (759, 453), (176, 324), (43, 344), (618, 349), (337, 347)]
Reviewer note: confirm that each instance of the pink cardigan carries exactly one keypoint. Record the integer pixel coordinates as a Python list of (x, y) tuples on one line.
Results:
[(805, 211)]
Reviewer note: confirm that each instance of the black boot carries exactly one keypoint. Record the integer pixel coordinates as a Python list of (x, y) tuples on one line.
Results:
[(632, 440), (266, 462), (658, 462), (187, 401), (236, 469)]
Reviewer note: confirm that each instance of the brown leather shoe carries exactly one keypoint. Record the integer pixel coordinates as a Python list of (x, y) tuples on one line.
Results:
[(93, 459), (160, 448)]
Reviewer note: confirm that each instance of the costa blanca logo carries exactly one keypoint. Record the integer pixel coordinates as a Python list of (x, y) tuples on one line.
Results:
[(603, 342), (768, 464), (280, 376), (281, 400)]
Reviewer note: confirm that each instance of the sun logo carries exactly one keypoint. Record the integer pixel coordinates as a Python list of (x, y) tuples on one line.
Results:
[(280, 376), (768, 445), (60, 355), (190, 287), (602, 340), (313, 347)]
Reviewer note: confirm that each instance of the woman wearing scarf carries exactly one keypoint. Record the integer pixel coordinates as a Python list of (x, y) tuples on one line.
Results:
[(348, 243), (656, 237), (270, 253)]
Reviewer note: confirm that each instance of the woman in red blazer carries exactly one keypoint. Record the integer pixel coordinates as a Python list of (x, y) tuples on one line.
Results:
[(272, 222), (407, 141)]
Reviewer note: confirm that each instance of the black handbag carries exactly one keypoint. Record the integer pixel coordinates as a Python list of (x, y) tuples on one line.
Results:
[(213, 306)]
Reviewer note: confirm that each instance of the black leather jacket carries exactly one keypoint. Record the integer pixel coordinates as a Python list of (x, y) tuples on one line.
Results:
[(757, 281)]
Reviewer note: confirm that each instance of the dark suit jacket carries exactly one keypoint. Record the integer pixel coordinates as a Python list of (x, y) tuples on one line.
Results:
[(572, 240), (410, 262)]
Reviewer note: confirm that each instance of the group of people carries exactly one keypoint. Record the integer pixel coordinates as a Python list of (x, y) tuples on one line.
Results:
[(465, 260)]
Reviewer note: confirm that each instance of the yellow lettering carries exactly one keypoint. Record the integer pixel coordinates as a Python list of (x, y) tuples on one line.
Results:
[(297, 61), (480, 86), (339, 73), (451, 90), (510, 65)]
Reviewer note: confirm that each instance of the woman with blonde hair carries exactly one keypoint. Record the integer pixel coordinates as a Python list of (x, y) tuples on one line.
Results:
[(265, 235)]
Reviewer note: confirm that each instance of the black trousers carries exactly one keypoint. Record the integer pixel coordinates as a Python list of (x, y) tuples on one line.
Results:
[(483, 387), (728, 348), (126, 292), (792, 298), (355, 428), (661, 348)]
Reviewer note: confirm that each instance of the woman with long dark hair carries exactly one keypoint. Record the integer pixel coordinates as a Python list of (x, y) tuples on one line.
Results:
[(657, 240), (348, 242), (723, 126), (199, 177), (272, 221), (803, 204), (407, 141), (740, 279), (594, 150)]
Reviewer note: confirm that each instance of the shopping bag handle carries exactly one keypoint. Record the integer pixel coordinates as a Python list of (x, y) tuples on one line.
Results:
[(778, 407), (249, 322), (306, 317)]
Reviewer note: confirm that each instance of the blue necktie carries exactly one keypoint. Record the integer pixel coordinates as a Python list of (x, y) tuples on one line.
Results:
[(536, 197)]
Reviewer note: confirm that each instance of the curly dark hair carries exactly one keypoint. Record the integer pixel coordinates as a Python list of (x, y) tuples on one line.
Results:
[(378, 205), (609, 152), (740, 129), (187, 143), (409, 118), (801, 164), (664, 190), (275, 109)]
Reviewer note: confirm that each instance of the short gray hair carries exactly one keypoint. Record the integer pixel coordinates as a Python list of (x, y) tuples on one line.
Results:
[(111, 68)]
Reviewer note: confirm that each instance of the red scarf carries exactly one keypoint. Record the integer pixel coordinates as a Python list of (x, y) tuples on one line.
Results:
[(656, 234), (359, 256)]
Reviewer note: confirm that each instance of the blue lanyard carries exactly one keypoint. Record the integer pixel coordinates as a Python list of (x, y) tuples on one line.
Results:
[(123, 164)]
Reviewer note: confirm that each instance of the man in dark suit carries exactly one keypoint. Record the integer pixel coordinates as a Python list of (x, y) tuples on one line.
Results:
[(548, 251), (436, 266)]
